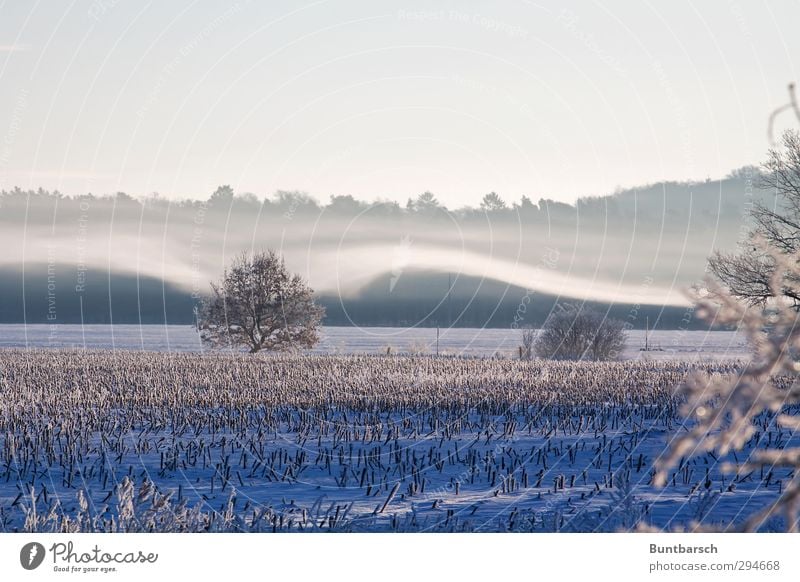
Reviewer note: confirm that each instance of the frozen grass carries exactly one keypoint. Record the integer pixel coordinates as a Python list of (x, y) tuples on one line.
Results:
[(139, 441)]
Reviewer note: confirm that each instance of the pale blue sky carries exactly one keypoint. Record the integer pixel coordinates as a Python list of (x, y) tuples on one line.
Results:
[(387, 99)]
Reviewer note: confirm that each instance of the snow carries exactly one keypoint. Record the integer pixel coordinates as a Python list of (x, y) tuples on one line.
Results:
[(670, 344), (575, 458)]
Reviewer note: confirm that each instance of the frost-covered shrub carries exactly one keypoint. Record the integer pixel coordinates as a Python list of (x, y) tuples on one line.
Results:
[(722, 410)]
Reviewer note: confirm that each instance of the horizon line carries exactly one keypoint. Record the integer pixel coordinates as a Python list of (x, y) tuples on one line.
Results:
[(264, 198)]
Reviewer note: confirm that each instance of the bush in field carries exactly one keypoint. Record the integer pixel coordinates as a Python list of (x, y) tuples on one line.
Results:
[(528, 341), (259, 304), (573, 333)]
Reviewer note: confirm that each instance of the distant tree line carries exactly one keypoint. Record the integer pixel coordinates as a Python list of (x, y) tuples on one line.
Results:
[(670, 199)]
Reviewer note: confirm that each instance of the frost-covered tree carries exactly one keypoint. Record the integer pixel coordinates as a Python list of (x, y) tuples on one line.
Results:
[(747, 275), (261, 305), (579, 333), (722, 411)]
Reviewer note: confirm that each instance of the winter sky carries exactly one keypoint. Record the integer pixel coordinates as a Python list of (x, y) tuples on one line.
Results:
[(387, 99)]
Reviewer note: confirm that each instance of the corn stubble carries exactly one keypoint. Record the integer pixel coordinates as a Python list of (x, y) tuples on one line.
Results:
[(153, 442)]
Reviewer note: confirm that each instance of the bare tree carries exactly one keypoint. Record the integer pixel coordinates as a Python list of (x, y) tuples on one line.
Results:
[(607, 337), (261, 305), (759, 292), (561, 337), (573, 333), (747, 275), (528, 341)]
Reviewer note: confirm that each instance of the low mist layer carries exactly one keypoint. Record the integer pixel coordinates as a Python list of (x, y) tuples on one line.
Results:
[(636, 247)]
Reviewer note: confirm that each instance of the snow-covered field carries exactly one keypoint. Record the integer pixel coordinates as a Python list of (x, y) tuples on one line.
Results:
[(145, 441), (456, 341)]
